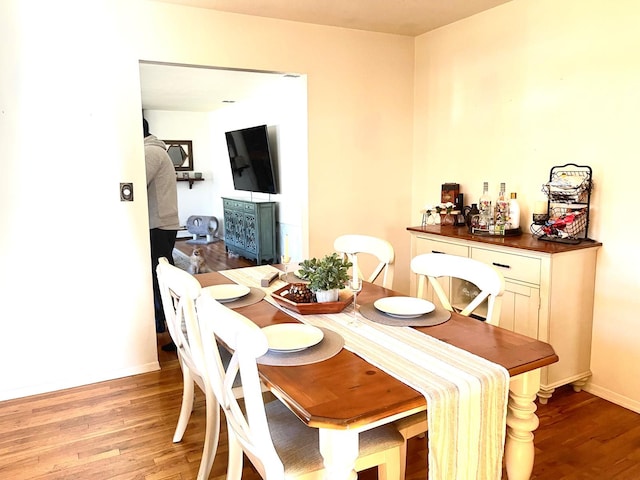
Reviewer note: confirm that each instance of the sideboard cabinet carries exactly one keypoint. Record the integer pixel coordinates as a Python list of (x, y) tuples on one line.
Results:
[(250, 229), (549, 290)]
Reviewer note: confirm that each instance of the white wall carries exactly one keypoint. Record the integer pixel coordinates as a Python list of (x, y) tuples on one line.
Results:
[(360, 101), (283, 108), (70, 109), (505, 95), (194, 126), (75, 276)]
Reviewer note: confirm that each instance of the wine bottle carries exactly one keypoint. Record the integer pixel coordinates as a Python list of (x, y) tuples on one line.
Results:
[(484, 205), (502, 211)]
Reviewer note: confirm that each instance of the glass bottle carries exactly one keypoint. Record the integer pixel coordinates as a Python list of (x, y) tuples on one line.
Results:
[(472, 214), (430, 218), (502, 211), (448, 219), (514, 211), (484, 205)]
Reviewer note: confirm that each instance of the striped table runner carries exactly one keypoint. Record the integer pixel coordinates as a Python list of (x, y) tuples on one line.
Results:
[(466, 395)]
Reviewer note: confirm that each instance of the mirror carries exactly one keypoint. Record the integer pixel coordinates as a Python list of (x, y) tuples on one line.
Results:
[(181, 154)]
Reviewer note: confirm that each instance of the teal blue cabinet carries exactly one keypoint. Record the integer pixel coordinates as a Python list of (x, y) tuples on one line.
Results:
[(250, 229)]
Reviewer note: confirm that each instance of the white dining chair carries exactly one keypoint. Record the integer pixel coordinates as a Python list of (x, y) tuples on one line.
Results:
[(382, 250), (178, 290), (490, 283), (278, 444)]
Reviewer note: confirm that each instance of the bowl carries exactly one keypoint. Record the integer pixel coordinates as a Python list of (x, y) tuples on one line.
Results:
[(344, 299)]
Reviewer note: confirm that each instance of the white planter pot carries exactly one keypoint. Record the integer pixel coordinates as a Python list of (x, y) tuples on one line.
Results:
[(327, 295)]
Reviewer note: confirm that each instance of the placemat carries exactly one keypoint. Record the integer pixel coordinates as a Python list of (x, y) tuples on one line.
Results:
[(254, 296), (330, 345), (438, 316)]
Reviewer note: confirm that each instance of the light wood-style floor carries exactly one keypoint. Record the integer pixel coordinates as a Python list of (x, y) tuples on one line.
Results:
[(122, 429)]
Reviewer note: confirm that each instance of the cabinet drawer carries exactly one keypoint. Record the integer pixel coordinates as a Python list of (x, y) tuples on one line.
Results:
[(249, 207), (426, 245), (515, 267), (233, 204)]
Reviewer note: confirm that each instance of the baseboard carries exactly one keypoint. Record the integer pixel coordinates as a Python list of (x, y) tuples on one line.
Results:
[(65, 383), (613, 397)]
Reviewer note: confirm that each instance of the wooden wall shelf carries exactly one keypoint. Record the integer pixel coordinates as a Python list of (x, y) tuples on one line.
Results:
[(190, 180)]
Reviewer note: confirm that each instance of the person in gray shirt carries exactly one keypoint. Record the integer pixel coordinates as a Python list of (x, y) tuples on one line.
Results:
[(162, 196)]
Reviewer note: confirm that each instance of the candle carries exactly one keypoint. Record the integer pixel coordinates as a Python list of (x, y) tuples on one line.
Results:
[(286, 249), (540, 207), (354, 281)]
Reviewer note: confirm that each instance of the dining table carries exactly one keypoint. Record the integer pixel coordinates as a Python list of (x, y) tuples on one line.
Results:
[(346, 394)]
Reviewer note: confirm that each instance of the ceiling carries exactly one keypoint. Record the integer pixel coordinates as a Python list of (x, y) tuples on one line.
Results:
[(403, 17), (198, 89), (184, 88)]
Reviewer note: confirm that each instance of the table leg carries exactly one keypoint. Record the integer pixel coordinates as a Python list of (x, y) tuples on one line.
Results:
[(339, 449), (521, 422)]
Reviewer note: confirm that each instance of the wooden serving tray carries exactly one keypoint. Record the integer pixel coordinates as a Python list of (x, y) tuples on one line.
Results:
[(344, 299)]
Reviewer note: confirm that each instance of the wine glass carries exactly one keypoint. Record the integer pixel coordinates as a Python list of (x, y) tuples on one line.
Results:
[(355, 285), (286, 261)]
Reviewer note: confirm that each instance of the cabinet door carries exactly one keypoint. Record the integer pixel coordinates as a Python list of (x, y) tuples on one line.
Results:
[(521, 298), (520, 307), (250, 233), (233, 228)]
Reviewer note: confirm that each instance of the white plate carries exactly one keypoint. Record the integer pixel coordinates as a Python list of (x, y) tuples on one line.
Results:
[(404, 307), (292, 337), (227, 292)]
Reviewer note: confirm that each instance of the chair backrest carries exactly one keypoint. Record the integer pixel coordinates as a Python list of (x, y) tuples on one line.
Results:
[(179, 290), (487, 279), (247, 426), (352, 245)]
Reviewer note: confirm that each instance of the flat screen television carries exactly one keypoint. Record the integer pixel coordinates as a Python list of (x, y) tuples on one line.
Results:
[(252, 164)]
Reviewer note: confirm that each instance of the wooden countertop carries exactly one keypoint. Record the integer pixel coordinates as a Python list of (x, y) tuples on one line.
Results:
[(526, 241)]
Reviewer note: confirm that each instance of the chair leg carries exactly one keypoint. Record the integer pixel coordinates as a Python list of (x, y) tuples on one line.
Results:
[(394, 466), (211, 437), (187, 404), (235, 459), (403, 459), (409, 427)]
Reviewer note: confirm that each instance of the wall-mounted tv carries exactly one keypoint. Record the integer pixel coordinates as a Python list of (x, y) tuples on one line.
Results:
[(252, 164)]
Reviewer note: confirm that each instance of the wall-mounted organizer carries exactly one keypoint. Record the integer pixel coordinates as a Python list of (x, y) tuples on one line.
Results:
[(568, 194)]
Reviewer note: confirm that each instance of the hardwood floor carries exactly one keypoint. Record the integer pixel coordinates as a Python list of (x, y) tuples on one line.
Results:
[(215, 255), (122, 429)]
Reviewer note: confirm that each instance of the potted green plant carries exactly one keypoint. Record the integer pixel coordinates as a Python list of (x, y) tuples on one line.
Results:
[(325, 276)]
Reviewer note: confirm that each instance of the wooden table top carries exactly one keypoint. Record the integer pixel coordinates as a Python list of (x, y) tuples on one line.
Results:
[(346, 391)]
